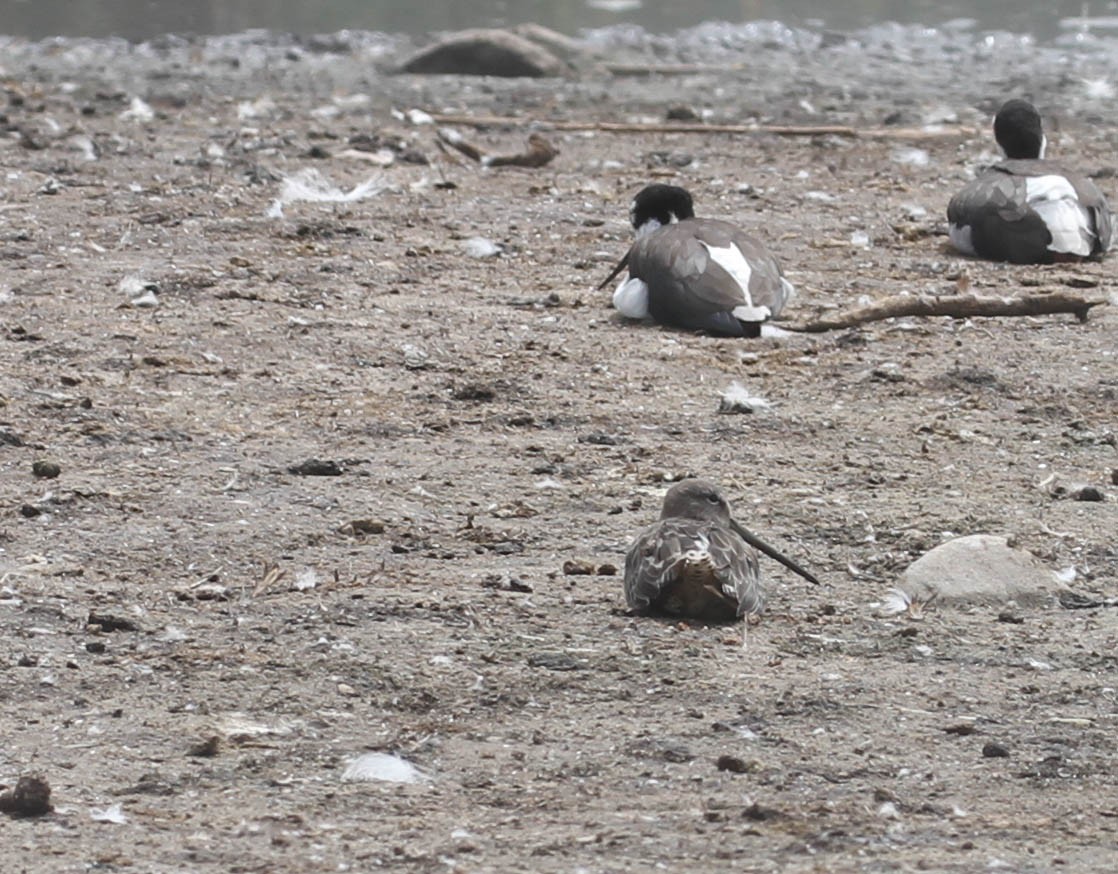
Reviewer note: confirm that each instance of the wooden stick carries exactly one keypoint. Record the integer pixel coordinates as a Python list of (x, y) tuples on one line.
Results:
[(956, 306), (811, 130)]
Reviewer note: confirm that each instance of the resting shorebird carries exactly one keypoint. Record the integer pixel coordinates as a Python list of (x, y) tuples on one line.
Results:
[(697, 562), (696, 273), (1028, 210)]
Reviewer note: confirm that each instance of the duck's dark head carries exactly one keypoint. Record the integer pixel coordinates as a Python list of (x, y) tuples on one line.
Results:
[(658, 205), (1018, 130)]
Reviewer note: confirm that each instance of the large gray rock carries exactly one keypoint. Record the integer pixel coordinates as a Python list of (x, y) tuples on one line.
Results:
[(979, 568), (485, 53)]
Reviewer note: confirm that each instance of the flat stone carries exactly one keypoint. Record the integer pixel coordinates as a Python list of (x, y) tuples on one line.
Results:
[(979, 568)]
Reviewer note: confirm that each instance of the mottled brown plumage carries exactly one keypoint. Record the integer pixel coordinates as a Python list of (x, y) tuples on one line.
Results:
[(697, 562)]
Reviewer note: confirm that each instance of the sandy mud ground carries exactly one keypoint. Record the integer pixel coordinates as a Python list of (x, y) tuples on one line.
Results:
[(202, 630)]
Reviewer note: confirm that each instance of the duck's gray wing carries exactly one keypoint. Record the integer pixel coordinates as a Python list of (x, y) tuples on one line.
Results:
[(995, 214), (685, 267), (994, 207)]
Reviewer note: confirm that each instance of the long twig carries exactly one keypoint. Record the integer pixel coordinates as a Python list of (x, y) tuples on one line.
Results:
[(956, 306), (785, 130)]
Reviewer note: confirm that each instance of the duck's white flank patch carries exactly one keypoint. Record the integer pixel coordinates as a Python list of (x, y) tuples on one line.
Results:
[(631, 299), (1055, 202), (961, 238), (730, 259)]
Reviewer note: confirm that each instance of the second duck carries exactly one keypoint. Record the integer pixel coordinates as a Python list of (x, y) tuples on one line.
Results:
[(697, 273)]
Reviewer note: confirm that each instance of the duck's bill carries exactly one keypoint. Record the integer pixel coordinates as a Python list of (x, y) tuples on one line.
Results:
[(760, 545), (621, 265)]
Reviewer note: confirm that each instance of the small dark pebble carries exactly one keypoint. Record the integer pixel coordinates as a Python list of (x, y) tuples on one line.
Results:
[(31, 797), (29, 511), (993, 750), (517, 585), (474, 392), (962, 729), (554, 661), (27, 661), (599, 439), (316, 467), (757, 813), (1114, 477), (95, 646), (363, 526), (207, 749), (1088, 493), (681, 112), (1011, 618), (108, 622), (607, 570), (576, 567), (9, 438), (732, 764), (46, 469)]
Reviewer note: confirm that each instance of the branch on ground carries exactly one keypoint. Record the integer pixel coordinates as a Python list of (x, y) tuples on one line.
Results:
[(956, 306)]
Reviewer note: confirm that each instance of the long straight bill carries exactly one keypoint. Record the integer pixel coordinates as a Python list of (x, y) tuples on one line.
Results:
[(760, 545)]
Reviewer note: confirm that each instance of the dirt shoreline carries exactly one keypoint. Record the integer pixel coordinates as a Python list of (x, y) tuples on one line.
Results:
[(489, 420)]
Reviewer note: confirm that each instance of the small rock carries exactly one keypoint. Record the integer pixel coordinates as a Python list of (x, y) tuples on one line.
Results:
[(681, 112), (31, 797), (554, 661), (29, 511), (206, 749), (1087, 493), (46, 469), (732, 764), (316, 467), (607, 570), (474, 392), (363, 526), (1010, 618), (993, 750), (109, 622), (577, 567)]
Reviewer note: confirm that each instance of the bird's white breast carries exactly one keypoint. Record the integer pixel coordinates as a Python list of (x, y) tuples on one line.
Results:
[(631, 298), (961, 238)]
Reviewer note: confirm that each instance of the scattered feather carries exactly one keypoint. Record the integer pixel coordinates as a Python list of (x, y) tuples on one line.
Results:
[(1066, 576), (139, 292), (481, 247), (137, 110), (381, 767), (114, 814), (311, 185), (737, 399), (306, 579), (911, 156), (262, 107)]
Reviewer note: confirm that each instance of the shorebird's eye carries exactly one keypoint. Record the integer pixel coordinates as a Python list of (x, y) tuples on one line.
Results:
[(713, 498)]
